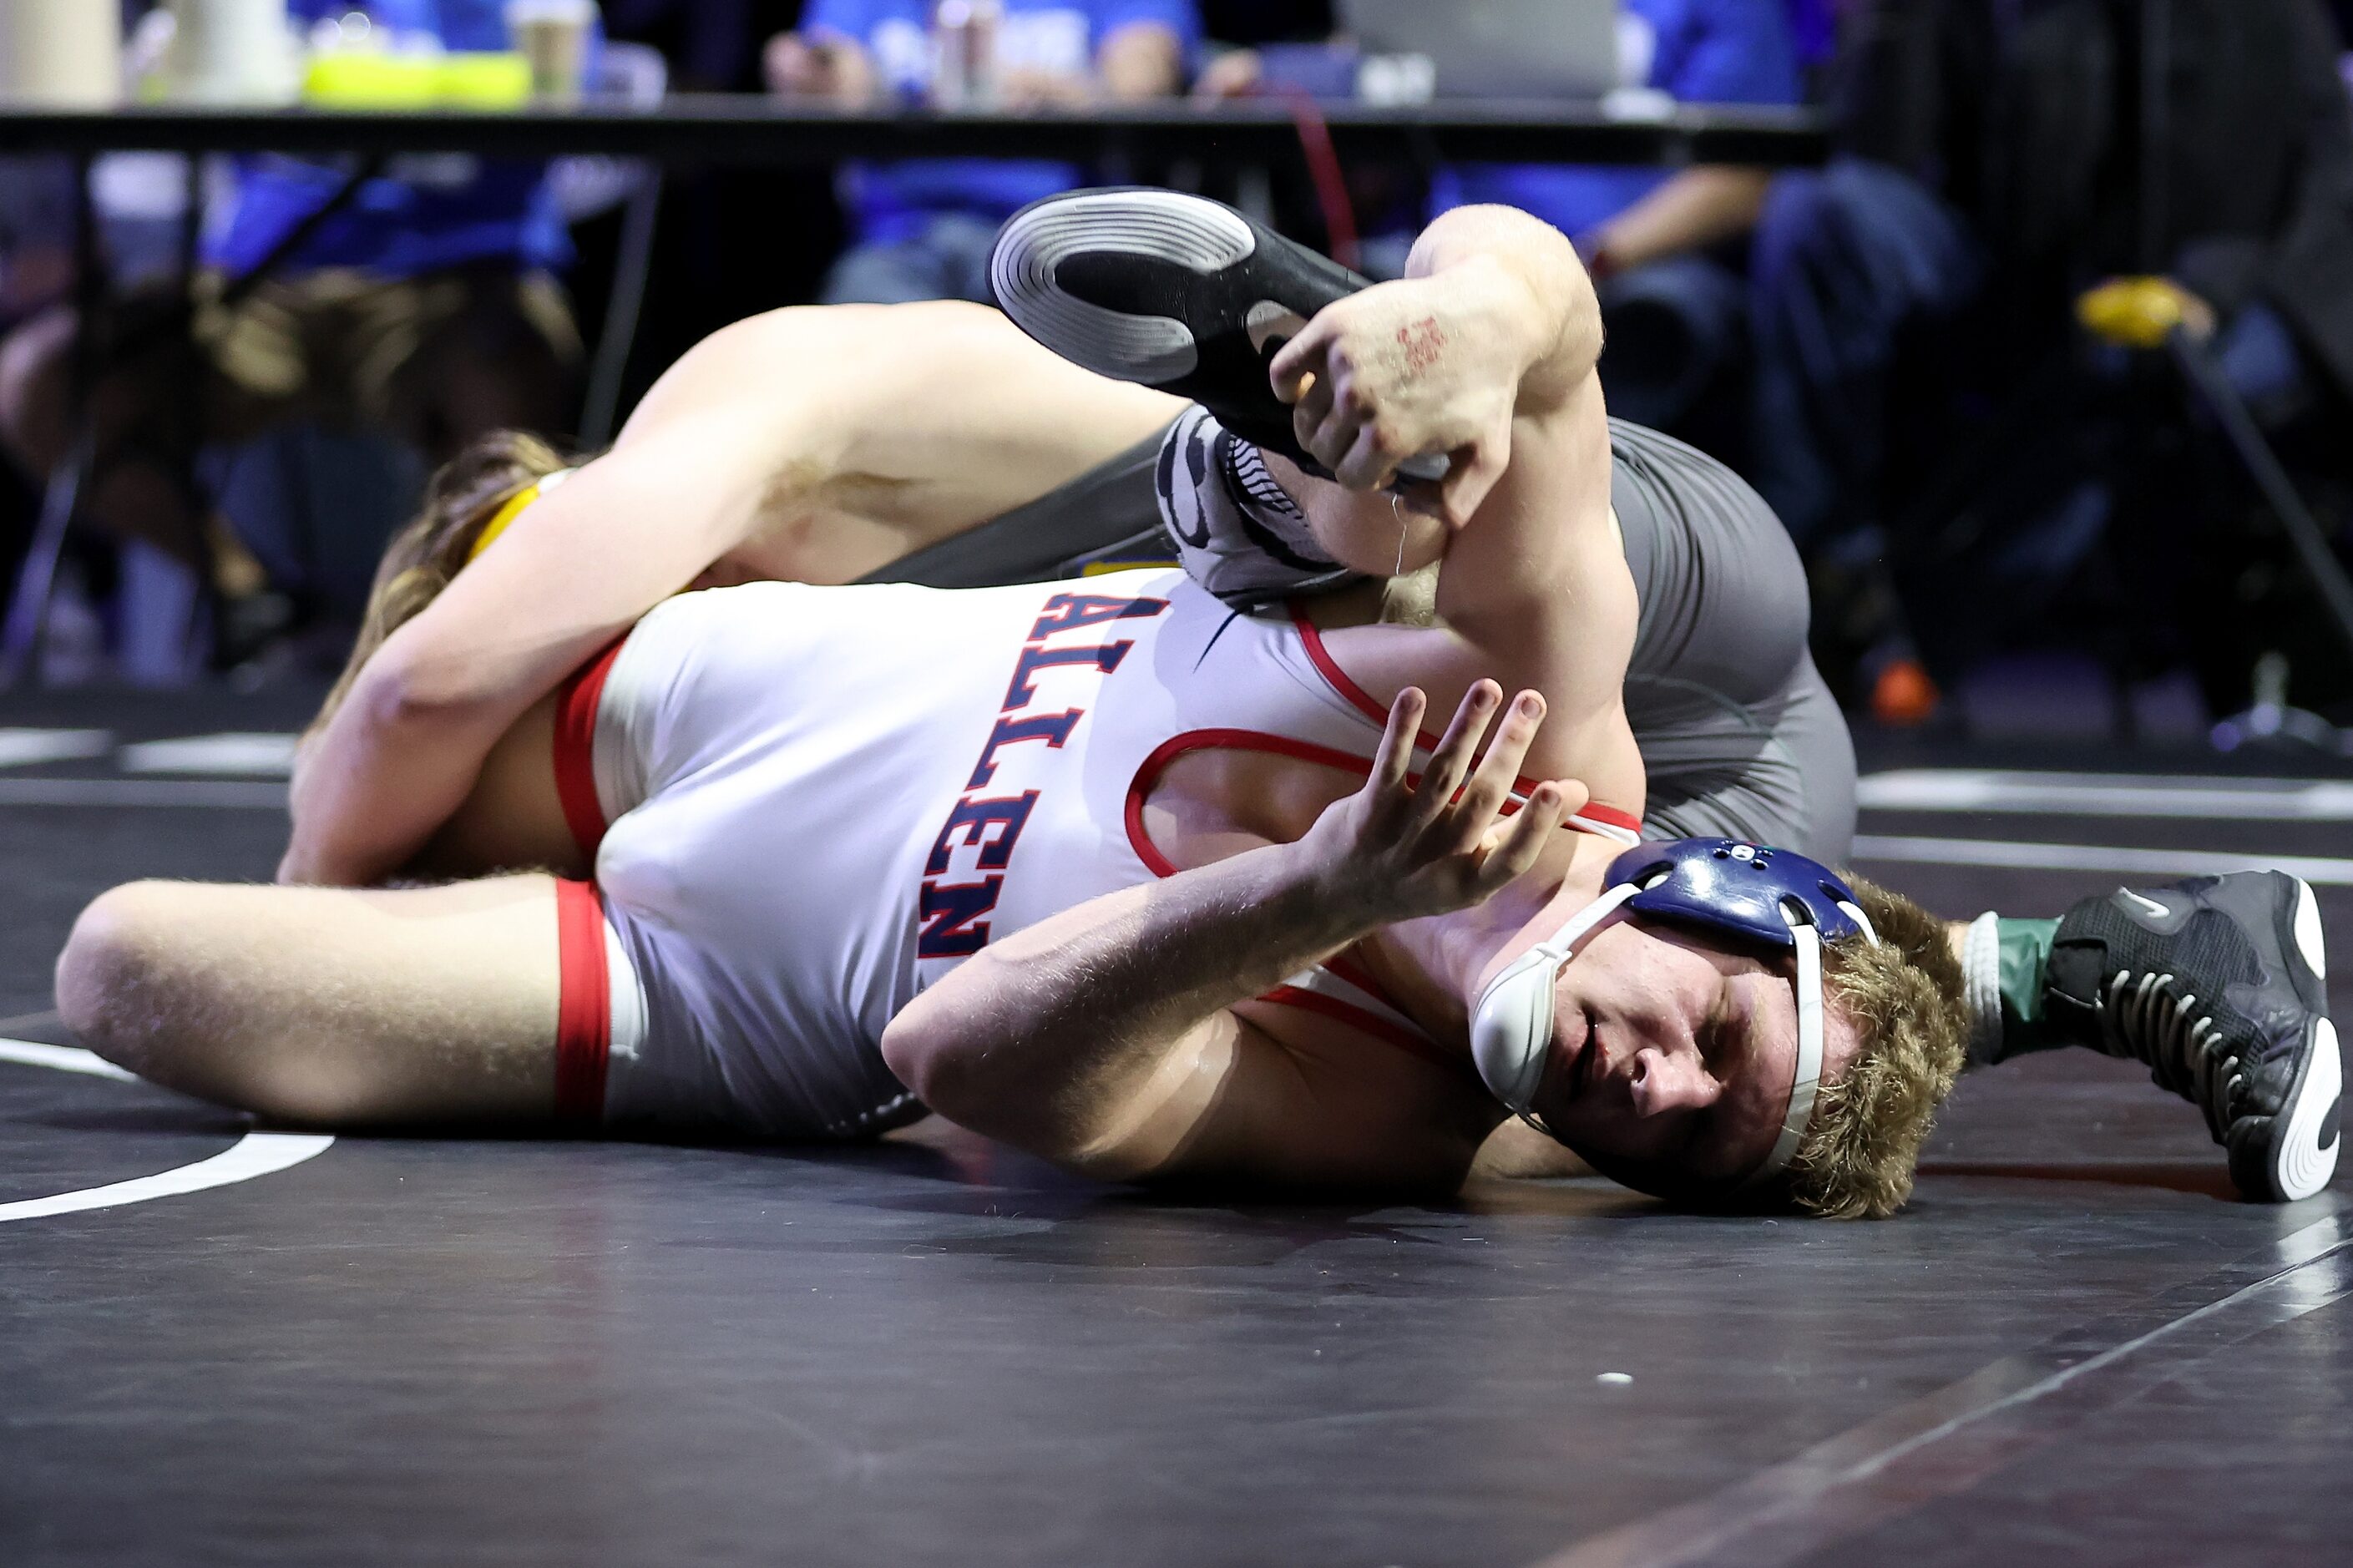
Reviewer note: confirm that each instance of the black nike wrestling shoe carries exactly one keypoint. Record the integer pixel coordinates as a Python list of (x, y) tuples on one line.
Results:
[(1176, 293), (2217, 985)]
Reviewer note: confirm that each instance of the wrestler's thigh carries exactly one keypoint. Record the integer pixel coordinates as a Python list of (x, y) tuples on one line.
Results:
[(327, 1005)]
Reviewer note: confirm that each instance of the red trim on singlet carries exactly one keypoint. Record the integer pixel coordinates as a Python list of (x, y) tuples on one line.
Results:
[(576, 750), (1359, 699), (1321, 657), (1147, 773), (1159, 865), (1362, 979), (584, 1009)]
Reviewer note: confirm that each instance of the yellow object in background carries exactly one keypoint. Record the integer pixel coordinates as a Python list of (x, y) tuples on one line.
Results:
[(356, 79), (352, 79), (485, 80), (2135, 313)]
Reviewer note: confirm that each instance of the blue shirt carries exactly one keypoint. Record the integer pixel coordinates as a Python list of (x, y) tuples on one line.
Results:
[(1813, 31), (1701, 51), (890, 202), (434, 213)]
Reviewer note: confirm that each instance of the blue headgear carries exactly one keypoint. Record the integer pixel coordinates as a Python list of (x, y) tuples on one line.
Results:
[(1745, 890)]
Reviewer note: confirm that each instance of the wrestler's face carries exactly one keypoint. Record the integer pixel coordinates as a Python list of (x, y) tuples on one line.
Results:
[(1671, 1057)]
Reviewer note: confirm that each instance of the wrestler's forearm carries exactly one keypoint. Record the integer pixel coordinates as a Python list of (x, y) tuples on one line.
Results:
[(1067, 1039), (1697, 207), (374, 788), (1140, 61)]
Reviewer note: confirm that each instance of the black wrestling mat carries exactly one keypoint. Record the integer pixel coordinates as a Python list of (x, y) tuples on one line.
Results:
[(2076, 1347)]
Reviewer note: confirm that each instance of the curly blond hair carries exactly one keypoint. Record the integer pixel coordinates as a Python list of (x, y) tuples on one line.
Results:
[(1906, 998)]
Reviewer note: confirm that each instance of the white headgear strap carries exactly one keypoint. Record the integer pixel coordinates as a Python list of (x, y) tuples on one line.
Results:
[(1809, 1035), (1511, 1028)]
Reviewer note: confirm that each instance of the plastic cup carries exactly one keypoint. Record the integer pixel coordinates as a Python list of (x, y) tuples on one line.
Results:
[(553, 36)]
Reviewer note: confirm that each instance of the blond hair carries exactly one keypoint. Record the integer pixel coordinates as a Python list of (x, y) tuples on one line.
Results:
[(425, 555), (1906, 998)]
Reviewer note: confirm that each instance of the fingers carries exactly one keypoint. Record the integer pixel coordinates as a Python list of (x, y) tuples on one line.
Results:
[(1516, 847), (1299, 359), (1368, 463), (1473, 475), (1491, 785), (1394, 760), (1312, 412), (1355, 441), (1450, 761)]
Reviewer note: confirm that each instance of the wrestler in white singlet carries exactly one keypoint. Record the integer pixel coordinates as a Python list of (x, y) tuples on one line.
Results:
[(822, 799)]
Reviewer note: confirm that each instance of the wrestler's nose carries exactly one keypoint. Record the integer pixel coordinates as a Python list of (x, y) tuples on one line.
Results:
[(1665, 1081)]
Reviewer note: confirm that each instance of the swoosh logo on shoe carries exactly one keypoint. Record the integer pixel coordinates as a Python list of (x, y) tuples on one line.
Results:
[(2157, 910)]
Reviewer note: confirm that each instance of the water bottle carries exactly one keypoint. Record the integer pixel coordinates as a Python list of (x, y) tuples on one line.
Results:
[(964, 34)]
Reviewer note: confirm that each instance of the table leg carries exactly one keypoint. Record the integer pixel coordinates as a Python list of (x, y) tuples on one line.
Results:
[(28, 607), (189, 419), (601, 411), (300, 235), (2313, 550)]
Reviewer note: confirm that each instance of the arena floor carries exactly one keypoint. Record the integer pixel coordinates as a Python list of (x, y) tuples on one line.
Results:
[(2075, 1347)]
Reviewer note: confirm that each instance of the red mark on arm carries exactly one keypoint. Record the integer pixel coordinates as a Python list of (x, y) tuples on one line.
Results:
[(1422, 341)]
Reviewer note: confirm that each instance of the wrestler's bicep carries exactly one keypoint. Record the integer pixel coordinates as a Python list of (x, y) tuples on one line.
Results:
[(1267, 1094), (1540, 562)]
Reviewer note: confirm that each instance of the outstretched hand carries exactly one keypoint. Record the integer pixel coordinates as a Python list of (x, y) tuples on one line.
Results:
[(1403, 848)]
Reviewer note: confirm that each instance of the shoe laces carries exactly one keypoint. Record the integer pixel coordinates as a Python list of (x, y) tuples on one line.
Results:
[(2149, 1017)]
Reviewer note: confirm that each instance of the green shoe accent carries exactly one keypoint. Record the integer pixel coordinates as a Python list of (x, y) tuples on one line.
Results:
[(2025, 954)]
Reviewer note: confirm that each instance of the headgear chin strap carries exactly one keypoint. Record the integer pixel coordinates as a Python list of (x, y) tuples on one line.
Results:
[(1512, 1027), (1745, 890)]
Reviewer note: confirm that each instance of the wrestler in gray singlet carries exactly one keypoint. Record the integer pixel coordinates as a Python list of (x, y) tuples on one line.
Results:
[(1739, 734)]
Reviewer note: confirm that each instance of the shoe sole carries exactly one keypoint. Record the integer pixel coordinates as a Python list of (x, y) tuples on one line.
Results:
[(2302, 1153), (1192, 233), (1160, 226)]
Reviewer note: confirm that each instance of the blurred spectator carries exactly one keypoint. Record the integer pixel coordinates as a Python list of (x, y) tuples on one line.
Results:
[(36, 235), (1247, 22), (1673, 303), (427, 308), (922, 229), (1994, 164), (711, 45), (452, 259), (1813, 31), (1927, 417)]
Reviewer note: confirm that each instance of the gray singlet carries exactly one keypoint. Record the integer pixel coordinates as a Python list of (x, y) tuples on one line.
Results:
[(1738, 732)]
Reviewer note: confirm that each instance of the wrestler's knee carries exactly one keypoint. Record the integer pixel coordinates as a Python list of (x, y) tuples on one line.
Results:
[(122, 983), (144, 983)]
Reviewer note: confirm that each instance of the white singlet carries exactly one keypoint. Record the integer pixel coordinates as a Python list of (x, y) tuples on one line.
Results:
[(822, 799)]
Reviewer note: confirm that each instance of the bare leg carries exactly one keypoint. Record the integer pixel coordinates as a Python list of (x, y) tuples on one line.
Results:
[(327, 1005)]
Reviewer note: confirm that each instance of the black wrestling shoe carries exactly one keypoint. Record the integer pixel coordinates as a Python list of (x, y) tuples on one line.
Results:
[(1176, 293), (2217, 985)]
